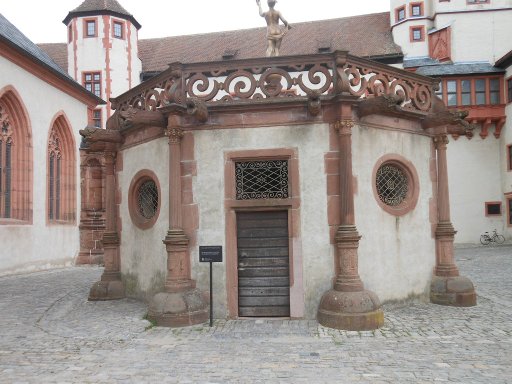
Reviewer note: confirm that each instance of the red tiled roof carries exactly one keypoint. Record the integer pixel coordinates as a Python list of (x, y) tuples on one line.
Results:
[(58, 53), (100, 7), (365, 35)]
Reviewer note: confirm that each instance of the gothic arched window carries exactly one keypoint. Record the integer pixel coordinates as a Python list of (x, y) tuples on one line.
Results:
[(15, 160), (61, 173), (6, 142)]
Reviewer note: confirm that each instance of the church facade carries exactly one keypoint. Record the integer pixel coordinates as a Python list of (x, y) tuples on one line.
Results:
[(323, 175)]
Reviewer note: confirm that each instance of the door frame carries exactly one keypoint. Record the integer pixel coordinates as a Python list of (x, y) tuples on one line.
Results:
[(290, 204)]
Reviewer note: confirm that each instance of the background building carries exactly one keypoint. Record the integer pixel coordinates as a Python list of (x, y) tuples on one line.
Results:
[(104, 55)]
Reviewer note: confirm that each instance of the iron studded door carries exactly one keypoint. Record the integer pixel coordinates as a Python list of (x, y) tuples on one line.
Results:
[(263, 264)]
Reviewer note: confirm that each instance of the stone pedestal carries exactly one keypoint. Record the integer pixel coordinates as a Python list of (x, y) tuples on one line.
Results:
[(110, 287), (348, 305), (181, 304), (447, 287), (92, 226)]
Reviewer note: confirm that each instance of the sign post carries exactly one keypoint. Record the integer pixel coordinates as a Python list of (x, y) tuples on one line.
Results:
[(210, 254)]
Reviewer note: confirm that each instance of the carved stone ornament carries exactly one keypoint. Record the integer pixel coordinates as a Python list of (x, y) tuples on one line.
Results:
[(5, 126), (174, 134), (453, 122), (93, 135), (301, 77), (344, 126), (54, 146)]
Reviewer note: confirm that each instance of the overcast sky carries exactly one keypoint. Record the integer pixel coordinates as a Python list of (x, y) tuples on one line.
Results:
[(41, 21)]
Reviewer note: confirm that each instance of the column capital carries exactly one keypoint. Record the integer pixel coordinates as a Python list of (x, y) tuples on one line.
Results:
[(441, 141), (174, 134), (344, 126)]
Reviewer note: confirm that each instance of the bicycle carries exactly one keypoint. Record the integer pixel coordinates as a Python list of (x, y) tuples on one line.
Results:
[(487, 238)]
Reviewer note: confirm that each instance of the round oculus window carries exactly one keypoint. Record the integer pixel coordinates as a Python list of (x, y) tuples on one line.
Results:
[(392, 184), (144, 199), (395, 184), (147, 199)]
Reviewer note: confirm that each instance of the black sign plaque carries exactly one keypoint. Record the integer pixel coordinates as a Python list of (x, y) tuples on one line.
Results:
[(210, 254)]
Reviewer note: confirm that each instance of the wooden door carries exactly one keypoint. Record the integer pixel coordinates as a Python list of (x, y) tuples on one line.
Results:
[(263, 264)]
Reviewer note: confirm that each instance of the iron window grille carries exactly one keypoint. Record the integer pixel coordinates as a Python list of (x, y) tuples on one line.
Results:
[(392, 184), (262, 179), (147, 199)]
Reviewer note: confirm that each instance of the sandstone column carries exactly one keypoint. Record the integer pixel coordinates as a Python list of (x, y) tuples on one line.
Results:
[(348, 305), (181, 304), (110, 287), (447, 287)]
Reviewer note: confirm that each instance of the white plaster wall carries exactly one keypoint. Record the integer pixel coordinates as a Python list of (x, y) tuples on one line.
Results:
[(38, 246), (210, 147), (119, 60), (474, 173), (396, 254), (143, 255), (401, 36), (489, 31), (506, 139)]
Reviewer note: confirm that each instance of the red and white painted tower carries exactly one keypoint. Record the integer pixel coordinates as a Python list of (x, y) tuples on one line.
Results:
[(103, 51)]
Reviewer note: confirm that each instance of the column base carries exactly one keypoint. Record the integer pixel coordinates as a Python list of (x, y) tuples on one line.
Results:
[(107, 290), (457, 291), (178, 309), (351, 311), (90, 258)]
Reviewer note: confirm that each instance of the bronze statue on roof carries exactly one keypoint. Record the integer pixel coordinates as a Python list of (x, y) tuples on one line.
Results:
[(275, 33)]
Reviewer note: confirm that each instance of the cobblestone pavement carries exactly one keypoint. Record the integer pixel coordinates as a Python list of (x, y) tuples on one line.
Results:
[(50, 333)]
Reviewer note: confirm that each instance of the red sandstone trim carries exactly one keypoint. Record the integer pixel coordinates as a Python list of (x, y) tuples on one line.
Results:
[(129, 52), (487, 204), (107, 44), (508, 196), (433, 217), (75, 49), (22, 163), (140, 177), (411, 199)]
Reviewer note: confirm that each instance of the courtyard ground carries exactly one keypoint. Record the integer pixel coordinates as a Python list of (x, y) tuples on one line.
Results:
[(50, 333)]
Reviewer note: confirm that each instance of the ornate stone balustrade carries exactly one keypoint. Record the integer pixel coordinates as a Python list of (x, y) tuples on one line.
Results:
[(270, 79)]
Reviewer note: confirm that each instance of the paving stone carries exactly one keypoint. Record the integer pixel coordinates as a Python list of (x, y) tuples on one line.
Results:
[(50, 333)]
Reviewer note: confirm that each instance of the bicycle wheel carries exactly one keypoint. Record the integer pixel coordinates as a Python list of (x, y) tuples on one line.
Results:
[(500, 239), (484, 239)]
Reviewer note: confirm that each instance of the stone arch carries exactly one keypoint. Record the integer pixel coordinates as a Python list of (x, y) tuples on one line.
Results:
[(17, 186)]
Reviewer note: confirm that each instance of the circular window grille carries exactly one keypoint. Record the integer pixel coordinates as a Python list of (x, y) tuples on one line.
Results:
[(147, 199), (392, 184)]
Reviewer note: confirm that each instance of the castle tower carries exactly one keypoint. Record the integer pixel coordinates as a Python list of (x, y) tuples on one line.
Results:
[(103, 51)]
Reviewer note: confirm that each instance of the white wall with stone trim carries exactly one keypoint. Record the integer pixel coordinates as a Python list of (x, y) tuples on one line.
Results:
[(41, 245), (311, 142), (143, 255), (396, 254)]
